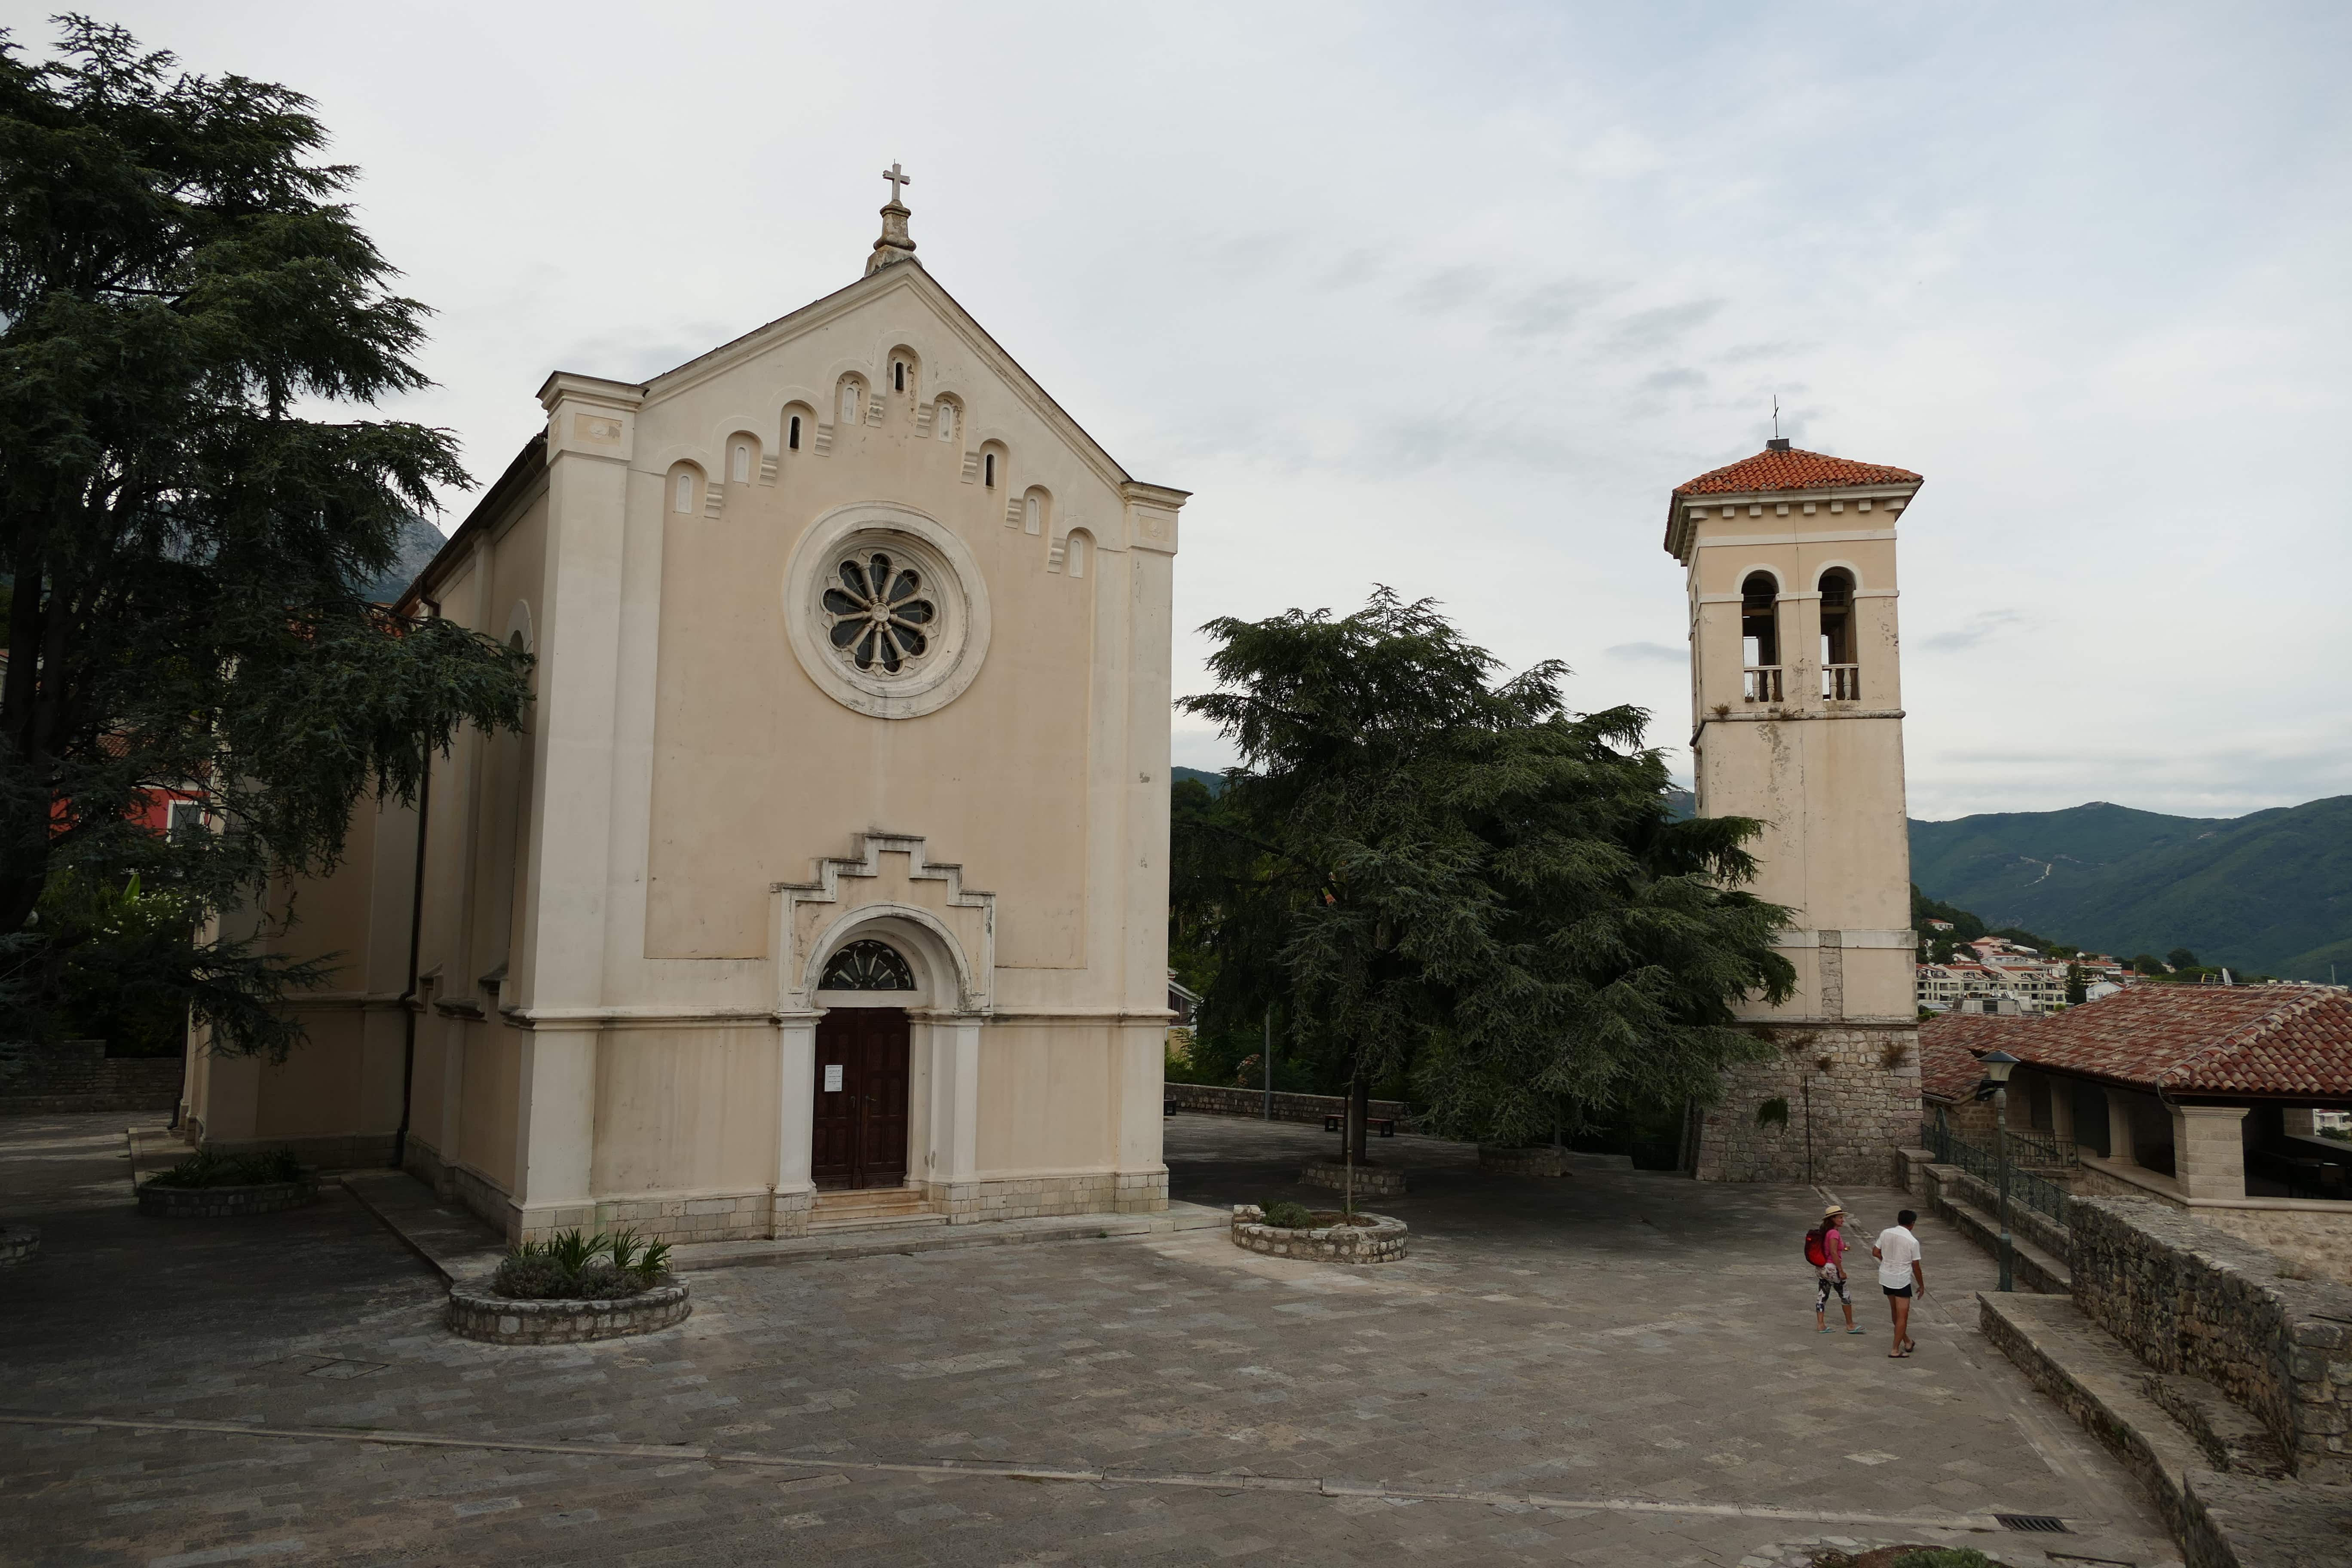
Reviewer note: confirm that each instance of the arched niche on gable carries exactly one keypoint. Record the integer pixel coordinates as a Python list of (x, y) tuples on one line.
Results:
[(1078, 553), (902, 370), (849, 401), (742, 457), (682, 490), (991, 465), (948, 421), (795, 434), (1035, 512)]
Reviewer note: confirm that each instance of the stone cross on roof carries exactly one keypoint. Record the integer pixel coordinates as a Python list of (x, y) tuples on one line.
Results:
[(897, 180), (896, 245)]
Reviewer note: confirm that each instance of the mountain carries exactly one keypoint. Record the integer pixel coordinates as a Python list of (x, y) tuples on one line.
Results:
[(1216, 782), (2270, 892), (420, 541)]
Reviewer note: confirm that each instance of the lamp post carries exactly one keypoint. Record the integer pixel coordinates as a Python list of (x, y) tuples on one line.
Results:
[(1996, 1066)]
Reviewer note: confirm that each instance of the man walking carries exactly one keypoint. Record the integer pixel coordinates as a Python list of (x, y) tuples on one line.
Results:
[(1901, 1277), (1831, 1276)]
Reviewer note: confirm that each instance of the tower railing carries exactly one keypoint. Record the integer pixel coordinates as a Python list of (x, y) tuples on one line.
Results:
[(1761, 682), (1842, 682)]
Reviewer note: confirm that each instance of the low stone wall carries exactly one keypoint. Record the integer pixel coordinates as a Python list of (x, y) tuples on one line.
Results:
[(225, 1203), (1368, 1181), (1541, 1160), (1218, 1100), (20, 1244), (2185, 1297), (2315, 1239), (1382, 1241), (1864, 1102), (494, 1319), (78, 1075)]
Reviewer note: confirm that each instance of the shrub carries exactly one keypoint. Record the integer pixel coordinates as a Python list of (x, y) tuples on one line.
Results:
[(1285, 1214), (208, 1168), (1954, 1557), (573, 1266)]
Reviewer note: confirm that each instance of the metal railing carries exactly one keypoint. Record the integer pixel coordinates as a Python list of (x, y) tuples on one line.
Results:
[(1842, 682), (1761, 682), (2031, 1149), (2034, 1192)]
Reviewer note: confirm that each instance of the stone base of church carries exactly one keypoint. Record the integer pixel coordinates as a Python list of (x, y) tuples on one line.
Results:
[(1042, 1197), (1840, 1096), (765, 1215), (332, 1152)]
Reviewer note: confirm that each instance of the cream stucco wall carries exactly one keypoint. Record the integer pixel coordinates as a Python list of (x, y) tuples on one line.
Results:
[(623, 908)]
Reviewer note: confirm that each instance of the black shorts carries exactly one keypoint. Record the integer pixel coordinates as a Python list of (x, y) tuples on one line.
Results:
[(1905, 1292)]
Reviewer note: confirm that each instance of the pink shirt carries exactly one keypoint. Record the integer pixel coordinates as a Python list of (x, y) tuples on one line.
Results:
[(1833, 1245)]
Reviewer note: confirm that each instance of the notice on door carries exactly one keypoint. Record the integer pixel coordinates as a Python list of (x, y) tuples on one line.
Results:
[(832, 1078)]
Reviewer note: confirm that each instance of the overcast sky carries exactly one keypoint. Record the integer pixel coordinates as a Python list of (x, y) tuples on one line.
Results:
[(1450, 299)]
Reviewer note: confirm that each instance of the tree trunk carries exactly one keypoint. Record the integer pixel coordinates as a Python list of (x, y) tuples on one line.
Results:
[(1359, 1115)]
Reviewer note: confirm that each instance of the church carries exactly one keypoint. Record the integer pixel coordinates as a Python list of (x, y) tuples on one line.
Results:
[(828, 881)]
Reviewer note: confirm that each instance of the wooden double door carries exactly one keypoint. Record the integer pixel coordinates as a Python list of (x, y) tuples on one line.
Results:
[(861, 1099)]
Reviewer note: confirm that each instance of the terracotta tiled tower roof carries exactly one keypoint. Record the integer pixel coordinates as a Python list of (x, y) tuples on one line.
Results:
[(1783, 469)]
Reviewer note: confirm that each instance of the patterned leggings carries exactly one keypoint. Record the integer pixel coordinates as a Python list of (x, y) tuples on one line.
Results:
[(1821, 1297)]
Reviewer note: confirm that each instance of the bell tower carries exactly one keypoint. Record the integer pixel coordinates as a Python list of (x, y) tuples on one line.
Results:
[(1797, 721)]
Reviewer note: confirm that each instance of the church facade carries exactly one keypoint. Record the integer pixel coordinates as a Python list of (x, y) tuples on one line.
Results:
[(1797, 722), (828, 883)]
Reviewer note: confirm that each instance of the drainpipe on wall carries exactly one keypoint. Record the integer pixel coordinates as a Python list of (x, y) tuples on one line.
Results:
[(415, 938)]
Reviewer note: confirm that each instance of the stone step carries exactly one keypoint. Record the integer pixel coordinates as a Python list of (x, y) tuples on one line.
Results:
[(2225, 1518), (2031, 1267), (859, 1223), (868, 1201)]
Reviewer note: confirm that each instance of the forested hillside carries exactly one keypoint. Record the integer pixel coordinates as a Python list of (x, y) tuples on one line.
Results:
[(2270, 892)]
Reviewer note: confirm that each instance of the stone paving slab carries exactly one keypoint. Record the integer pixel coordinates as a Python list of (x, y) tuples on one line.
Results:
[(1614, 1337)]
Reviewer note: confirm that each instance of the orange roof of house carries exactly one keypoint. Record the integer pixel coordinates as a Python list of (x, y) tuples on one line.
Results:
[(1947, 1048), (1793, 470), (2274, 1040)]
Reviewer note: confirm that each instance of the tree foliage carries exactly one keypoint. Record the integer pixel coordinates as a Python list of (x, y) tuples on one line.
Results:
[(185, 295), (1450, 878)]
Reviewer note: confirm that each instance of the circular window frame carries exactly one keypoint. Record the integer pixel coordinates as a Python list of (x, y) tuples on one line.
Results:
[(960, 644)]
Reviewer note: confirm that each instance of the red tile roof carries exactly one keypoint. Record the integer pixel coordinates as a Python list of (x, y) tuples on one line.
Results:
[(2274, 1040), (1793, 470), (1948, 1048)]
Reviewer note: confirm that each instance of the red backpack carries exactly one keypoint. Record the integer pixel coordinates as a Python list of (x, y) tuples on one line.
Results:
[(1816, 1252)]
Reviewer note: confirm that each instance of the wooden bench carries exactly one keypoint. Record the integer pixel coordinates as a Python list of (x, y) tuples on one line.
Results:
[(1387, 1124)]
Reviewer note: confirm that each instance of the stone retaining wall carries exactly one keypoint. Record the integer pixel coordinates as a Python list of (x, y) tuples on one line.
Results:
[(78, 1076), (1540, 1160), (1370, 1181), (478, 1315), (19, 1243), (2188, 1298), (225, 1203), (1865, 1102), (1218, 1100)]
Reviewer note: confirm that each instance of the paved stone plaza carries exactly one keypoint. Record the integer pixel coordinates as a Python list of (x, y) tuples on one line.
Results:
[(1609, 1342)]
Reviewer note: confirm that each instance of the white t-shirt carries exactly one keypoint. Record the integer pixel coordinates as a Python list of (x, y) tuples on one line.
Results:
[(1897, 1249)]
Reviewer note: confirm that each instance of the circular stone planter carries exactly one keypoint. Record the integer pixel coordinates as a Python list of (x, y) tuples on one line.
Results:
[(1381, 1241), (476, 1314), (18, 1244), (213, 1202), (1537, 1159), (1372, 1181)]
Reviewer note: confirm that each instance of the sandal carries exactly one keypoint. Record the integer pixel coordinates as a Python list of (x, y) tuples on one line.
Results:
[(1898, 1355), (1857, 1330)]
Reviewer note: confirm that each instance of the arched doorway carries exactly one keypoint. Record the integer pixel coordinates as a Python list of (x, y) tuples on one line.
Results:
[(859, 1133)]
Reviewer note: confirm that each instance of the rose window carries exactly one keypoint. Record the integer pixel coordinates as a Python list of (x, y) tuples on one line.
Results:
[(880, 612)]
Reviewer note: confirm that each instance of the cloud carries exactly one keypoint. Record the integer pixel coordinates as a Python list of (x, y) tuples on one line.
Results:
[(1646, 332), (1978, 627), (1648, 653)]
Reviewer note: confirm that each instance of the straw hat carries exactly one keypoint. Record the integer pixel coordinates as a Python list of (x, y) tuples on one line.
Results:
[(1832, 1211)]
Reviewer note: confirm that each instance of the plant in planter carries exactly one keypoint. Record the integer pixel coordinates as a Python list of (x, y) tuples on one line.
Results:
[(207, 1168), (573, 1266), (1288, 1216)]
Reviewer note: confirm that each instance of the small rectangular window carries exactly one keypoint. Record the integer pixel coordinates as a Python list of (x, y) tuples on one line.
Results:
[(795, 437), (899, 375)]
